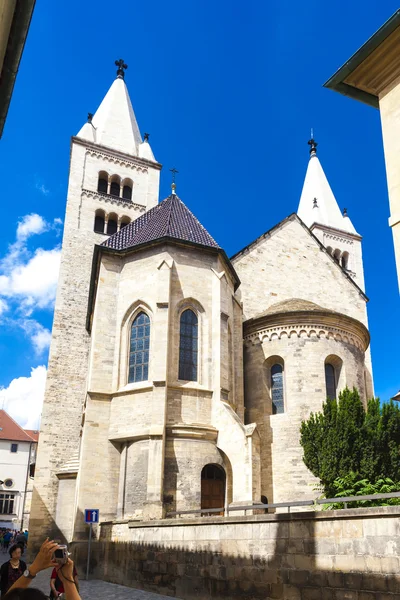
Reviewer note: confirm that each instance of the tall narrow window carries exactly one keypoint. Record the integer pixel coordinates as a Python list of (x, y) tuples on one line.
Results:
[(102, 183), (277, 389), (112, 225), (127, 192), (139, 349), (114, 188), (99, 222), (188, 346), (330, 381)]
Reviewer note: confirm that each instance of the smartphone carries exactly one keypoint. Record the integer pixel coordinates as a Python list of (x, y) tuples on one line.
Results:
[(61, 554)]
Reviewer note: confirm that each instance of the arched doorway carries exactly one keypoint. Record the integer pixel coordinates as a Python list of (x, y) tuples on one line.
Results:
[(213, 488)]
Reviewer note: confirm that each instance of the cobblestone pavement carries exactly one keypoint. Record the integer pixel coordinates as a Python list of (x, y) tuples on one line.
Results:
[(99, 590)]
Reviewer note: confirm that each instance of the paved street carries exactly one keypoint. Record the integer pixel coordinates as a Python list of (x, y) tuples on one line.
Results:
[(100, 590)]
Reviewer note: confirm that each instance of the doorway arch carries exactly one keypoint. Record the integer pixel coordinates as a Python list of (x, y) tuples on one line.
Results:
[(213, 486)]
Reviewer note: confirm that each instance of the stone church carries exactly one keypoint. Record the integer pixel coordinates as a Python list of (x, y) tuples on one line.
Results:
[(178, 377)]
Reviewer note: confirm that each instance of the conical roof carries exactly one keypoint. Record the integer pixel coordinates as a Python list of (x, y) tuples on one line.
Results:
[(114, 123), (318, 203), (169, 219)]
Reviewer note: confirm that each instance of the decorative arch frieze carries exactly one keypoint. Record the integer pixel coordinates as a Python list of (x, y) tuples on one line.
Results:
[(302, 331), (116, 160)]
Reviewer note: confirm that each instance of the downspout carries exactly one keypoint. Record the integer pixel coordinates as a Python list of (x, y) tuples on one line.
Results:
[(26, 485)]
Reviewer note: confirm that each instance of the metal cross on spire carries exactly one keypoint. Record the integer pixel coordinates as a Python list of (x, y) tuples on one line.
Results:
[(312, 143), (121, 68), (173, 185)]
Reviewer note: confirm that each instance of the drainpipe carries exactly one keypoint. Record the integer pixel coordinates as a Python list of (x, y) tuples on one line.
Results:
[(26, 485)]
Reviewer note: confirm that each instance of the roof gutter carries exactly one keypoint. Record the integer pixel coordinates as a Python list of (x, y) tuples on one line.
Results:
[(337, 83)]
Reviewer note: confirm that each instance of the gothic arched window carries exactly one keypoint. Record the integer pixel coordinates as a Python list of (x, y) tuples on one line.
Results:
[(188, 346), (330, 381), (277, 389), (139, 349)]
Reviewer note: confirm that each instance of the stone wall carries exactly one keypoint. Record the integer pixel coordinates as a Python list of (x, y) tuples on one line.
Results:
[(338, 555)]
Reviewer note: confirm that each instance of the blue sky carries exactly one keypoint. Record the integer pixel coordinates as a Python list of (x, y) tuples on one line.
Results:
[(229, 92)]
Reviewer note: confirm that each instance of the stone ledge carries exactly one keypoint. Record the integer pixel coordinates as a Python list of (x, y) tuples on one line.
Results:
[(333, 515)]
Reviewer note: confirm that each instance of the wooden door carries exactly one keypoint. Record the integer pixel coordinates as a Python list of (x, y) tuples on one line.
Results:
[(213, 493)]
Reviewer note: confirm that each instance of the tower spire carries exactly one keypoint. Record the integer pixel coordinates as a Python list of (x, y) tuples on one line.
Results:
[(318, 204)]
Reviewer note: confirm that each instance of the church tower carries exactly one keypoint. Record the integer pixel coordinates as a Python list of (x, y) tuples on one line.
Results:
[(319, 210), (113, 179)]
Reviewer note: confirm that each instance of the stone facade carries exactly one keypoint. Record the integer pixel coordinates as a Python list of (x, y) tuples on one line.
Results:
[(330, 555), (139, 449)]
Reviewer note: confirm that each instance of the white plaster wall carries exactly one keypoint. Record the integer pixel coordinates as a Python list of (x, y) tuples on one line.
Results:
[(14, 465)]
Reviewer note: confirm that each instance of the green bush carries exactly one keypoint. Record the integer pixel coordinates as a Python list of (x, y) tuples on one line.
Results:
[(346, 439), (351, 485)]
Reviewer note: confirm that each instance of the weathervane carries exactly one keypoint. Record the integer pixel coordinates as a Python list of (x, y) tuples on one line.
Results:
[(121, 68), (173, 185)]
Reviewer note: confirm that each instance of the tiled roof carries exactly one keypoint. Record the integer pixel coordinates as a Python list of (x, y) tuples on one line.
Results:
[(10, 430), (33, 434), (171, 218)]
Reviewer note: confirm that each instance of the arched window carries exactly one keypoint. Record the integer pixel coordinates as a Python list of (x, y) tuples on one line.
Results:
[(188, 346), (127, 192), (330, 381), (336, 255), (345, 260), (124, 222), (102, 184), (112, 224), (329, 249), (139, 349), (99, 222), (114, 188), (277, 389)]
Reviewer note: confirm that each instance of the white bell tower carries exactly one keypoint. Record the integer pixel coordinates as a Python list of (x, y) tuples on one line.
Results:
[(319, 210)]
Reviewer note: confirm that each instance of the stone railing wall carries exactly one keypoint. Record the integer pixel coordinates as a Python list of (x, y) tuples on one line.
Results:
[(338, 555)]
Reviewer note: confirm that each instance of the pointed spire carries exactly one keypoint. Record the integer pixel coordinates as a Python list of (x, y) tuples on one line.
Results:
[(114, 123), (317, 202)]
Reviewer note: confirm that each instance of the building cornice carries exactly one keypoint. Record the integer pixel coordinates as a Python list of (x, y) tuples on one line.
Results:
[(116, 157), (336, 233), (315, 323)]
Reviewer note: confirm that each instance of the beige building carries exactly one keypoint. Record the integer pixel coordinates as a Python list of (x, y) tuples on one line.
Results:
[(178, 378), (372, 76)]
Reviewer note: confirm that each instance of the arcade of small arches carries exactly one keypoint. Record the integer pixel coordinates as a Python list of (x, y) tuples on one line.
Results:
[(113, 185), (303, 331), (109, 223), (342, 258)]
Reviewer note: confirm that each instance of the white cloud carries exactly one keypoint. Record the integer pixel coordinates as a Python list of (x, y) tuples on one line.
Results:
[(33, 282), (39, 335), (28, 279), (3, 306), (30, 225), (42, 188), (23, 398)]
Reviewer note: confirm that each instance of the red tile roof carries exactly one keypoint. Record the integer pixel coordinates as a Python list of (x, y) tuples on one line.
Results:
[(33, 434), (10, 430)]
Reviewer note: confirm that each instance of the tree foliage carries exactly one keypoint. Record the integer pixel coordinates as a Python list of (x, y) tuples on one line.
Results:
[(345, 438), (351, 485)]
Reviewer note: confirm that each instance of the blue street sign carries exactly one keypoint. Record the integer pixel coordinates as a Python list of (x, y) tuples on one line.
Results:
[(92, 515)]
